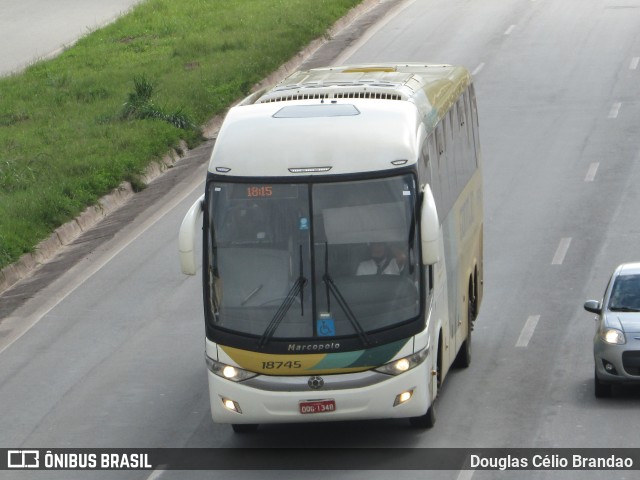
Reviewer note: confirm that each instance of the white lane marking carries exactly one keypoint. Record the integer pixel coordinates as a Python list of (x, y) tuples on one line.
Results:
[(634, 63), (615, 110), (561, 252), (527, 331), (509, 30), (156, 474), (86, 272), (591, 173), (393, 13), (477, 69), (465, 474)]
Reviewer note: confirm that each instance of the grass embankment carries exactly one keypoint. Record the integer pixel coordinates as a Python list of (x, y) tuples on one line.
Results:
[(75, 127)]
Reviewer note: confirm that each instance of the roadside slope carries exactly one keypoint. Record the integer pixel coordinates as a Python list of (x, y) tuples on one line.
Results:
[(76, 239)]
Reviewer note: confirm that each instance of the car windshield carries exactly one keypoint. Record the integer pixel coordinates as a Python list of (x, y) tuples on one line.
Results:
[(625, 293), (312, 260)]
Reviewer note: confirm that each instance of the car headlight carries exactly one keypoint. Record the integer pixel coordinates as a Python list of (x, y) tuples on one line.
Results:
[(229, 372), (404, 364), (613, 336)]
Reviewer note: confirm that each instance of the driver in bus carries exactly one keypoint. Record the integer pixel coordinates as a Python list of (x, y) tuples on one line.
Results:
[(385, 260)]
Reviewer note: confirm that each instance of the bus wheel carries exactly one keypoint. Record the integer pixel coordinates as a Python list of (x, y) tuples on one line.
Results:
[(463, 359), (427, 420), (244, 427)]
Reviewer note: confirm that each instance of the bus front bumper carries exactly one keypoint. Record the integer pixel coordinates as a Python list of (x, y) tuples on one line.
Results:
[(240, 403)]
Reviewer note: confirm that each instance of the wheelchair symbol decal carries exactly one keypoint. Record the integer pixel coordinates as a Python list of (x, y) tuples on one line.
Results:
[(326, 327)]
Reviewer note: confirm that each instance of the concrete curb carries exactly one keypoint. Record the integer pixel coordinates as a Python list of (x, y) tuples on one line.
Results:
[(90, 217)]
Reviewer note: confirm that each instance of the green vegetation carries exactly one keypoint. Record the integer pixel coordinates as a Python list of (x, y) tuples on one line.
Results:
[(73, 128)]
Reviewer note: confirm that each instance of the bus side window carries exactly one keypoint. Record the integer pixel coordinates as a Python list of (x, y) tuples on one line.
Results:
[(424, 168), (465, 158), (452, 122), (450, 148), (428, 279), (467, 114), (432, 173), (462, 120), (425, 155), (474, 120), (442, 167), (458, 149)]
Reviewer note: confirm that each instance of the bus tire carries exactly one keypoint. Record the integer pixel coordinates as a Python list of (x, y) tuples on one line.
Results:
[(463, 359), (427, 420), (244, 427)]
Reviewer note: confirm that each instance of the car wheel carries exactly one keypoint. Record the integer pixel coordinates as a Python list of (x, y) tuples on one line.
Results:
[(602, 389), (244, 427)]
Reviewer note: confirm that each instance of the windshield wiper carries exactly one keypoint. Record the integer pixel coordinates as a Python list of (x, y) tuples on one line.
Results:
[(333, 288), (296, 289)]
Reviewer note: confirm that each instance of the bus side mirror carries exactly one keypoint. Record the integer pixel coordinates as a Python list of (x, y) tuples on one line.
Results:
[(429, 228), (187, 237)]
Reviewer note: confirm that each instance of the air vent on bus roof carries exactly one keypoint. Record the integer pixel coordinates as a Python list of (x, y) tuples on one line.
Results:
[(377, 94), (374, 95)]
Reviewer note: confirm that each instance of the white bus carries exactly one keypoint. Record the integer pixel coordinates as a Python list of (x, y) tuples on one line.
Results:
[(342, 246)]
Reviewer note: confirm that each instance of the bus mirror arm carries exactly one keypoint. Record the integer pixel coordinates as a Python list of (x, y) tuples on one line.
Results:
[(187, 237), (429, 228)]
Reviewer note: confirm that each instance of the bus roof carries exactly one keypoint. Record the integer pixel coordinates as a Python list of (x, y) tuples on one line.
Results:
[(336, 120)]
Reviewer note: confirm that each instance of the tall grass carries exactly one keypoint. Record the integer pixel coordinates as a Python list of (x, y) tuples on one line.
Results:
[(75, 127)]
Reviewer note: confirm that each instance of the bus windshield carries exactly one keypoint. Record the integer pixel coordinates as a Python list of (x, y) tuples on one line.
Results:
[(312, 260)]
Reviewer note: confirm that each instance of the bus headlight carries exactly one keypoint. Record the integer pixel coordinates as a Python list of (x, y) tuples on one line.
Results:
[(404, 364), (229, 372)]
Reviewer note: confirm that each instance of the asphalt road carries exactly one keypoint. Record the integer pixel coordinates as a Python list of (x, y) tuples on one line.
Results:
[(115, 356), (35, 29)]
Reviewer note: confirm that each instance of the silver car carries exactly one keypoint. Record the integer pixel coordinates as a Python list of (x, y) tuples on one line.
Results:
[(616, 345)]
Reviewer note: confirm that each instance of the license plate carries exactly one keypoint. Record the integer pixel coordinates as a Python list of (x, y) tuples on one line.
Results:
[(317, 406)]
